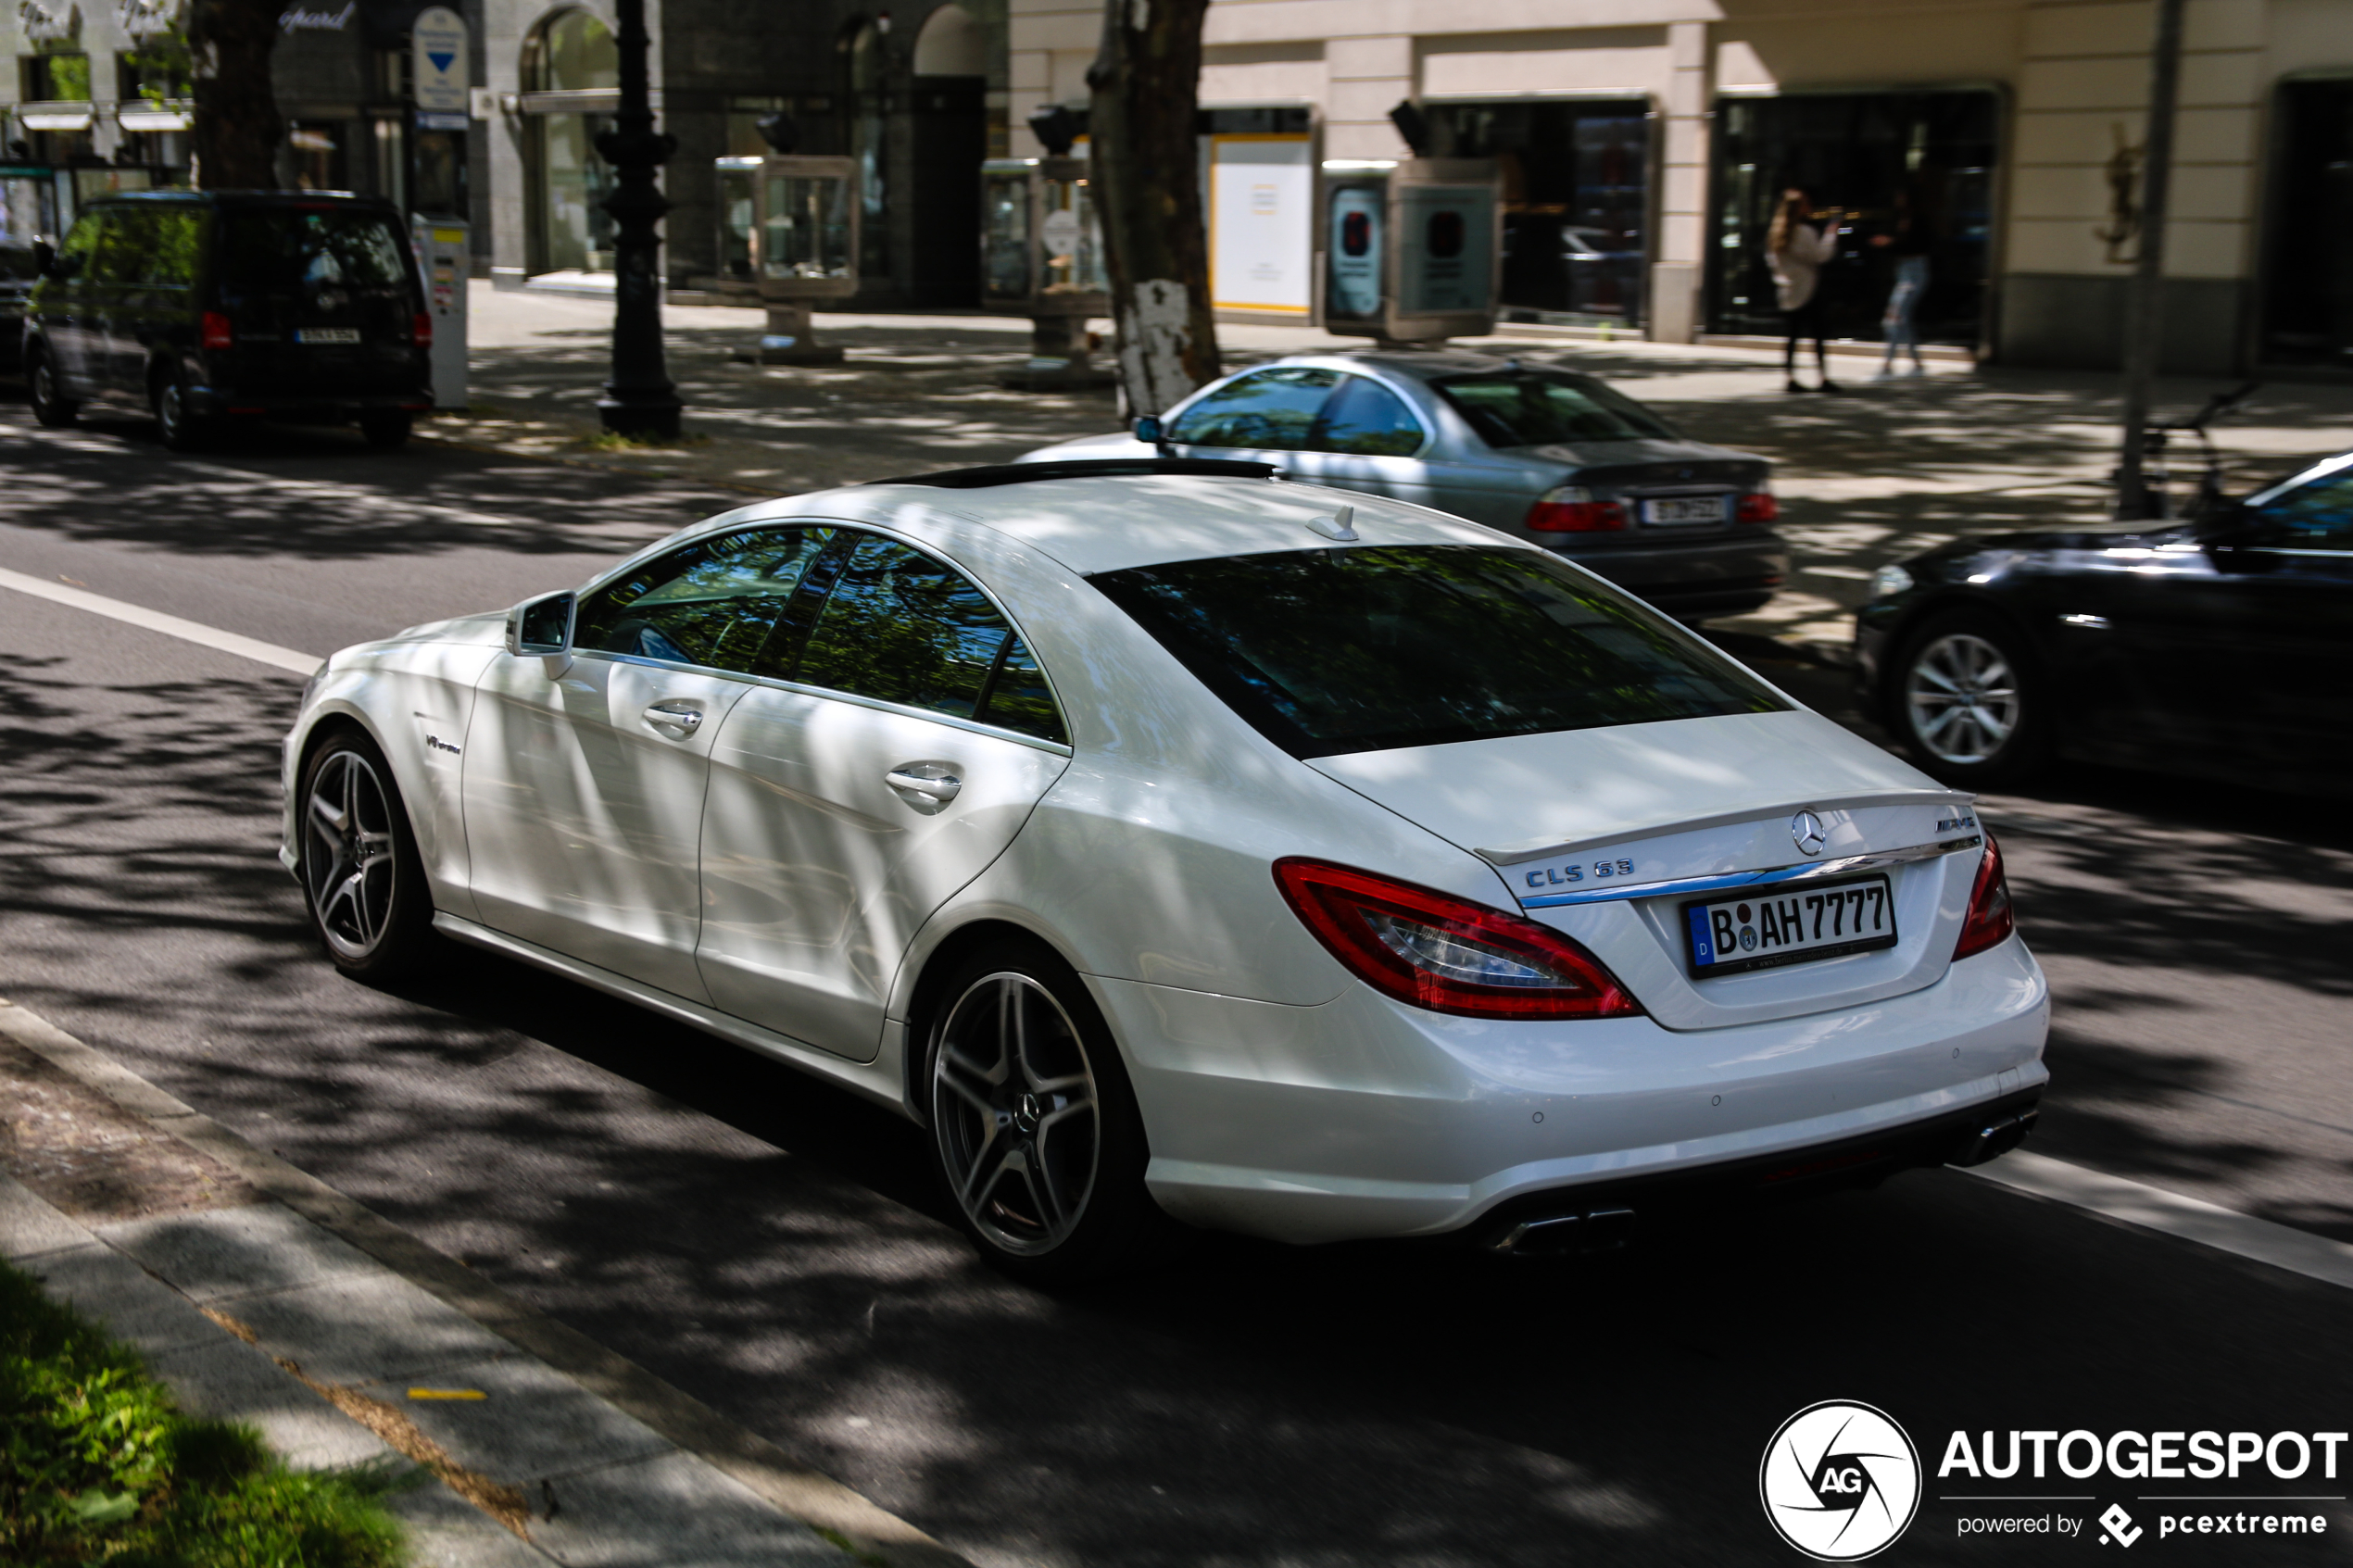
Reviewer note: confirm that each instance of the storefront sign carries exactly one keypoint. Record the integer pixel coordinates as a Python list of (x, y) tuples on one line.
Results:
[(439, 38), (294, 19)]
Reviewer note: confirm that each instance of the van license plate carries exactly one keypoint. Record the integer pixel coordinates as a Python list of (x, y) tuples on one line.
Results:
[(1797, 924), (1684, 511), (327, 335)]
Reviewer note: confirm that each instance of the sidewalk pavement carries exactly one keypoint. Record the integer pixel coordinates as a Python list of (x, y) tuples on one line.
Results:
[(260, 1295), (1890, 470)]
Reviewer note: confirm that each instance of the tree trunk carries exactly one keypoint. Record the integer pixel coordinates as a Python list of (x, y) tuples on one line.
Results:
[(236, 129), (1146, 193)]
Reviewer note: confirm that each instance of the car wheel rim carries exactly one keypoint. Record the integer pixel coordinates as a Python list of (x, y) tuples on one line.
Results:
[(1962, 696), (168, 410), (1014, 1108), (45, 391), (346, 856)]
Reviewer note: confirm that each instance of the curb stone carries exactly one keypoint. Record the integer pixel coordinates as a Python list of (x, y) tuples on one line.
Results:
[(308, 1238)]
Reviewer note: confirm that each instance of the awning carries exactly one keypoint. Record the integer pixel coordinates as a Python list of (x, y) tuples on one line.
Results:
[(151, 120), (54, 117)]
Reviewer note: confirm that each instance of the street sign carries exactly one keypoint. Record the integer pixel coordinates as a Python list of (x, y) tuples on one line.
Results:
[(441, 73)]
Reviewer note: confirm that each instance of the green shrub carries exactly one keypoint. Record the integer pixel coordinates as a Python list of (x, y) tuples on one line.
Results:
[(97, 1466)]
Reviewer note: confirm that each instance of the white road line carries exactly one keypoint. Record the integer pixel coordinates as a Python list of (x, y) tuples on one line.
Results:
[(156, 621), (2191, 1219)]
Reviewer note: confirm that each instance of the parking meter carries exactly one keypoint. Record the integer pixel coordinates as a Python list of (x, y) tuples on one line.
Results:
[(446, 261), (1413, 250), (1041, 255)]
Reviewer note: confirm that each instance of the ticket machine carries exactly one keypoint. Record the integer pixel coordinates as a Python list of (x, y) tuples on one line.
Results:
[(1413, 249)]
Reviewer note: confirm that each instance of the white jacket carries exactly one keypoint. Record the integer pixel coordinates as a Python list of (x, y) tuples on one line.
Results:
[(1799, 267)]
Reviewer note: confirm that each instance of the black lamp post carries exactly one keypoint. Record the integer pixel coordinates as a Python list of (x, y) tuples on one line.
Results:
[(639, 401)]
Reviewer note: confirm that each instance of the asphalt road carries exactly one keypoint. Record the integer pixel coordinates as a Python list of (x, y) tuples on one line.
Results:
[(773, 1247)]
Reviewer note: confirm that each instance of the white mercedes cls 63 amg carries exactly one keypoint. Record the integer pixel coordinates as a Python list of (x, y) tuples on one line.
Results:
[(1169, 839)]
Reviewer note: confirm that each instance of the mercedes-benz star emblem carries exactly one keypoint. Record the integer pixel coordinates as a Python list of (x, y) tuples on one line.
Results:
[(1806, 829)]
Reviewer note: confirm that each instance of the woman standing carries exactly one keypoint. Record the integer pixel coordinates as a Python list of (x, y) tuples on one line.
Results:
[(1798, 251), (1908, 246)]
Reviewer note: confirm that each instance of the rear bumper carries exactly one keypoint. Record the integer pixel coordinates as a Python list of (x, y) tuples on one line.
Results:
[(1366, 1118), (1699, 578), (211, 402)]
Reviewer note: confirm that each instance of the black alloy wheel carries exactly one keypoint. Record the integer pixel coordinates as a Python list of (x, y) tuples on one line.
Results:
[(361, 877), (1967, 699), (180, 429), (1035, 1130), (50, 405), (385, 431)]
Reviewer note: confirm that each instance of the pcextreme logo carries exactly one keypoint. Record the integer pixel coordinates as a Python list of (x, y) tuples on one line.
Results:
[(1841, 1481)]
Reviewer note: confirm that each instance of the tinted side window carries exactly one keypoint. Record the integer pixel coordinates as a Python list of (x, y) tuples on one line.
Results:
[(117, 259), (1272, 409), (2318, 516), (711, 602), (901, 627), (1367, 420), (169, 242), (80, 243)]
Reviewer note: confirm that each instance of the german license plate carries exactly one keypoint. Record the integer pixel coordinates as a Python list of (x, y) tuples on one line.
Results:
[(327, 335), (1772, 926), (1682, 511)]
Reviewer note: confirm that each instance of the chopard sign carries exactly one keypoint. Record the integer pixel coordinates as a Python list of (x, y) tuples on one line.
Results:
[(294, 19)]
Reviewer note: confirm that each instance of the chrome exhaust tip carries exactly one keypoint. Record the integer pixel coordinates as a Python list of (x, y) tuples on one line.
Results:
[(1996, 1138), (1568, 1235)]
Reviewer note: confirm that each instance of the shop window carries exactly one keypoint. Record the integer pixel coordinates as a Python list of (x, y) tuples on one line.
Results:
[(1576, 200), (315, 151), (868, 108), (159, 75), (572, 52), (2308, 264), (1871, 154)]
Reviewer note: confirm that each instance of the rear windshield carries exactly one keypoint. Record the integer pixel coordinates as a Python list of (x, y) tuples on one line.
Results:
[(1333, 651), (286, 250), (1534, 407)]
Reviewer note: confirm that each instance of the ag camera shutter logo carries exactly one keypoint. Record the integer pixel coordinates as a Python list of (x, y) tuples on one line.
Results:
[(1841, 1481)]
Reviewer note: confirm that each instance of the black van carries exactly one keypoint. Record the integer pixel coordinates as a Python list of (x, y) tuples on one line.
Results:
[(205, 306)]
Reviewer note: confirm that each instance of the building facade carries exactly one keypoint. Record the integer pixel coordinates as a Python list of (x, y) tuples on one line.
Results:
[(1643, 141)]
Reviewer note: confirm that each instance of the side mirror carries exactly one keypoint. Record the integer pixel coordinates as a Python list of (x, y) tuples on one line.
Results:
[(1148, 429), (541, 626), (44, 259)]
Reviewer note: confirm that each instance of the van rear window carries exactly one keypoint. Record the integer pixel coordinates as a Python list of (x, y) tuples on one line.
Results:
[(286, 250)]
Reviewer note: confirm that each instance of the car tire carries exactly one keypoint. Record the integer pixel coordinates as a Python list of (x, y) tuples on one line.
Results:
[(1035, 1130), (362, 879), (178, 430), (50, 405), (1965, 696), (385, 432)]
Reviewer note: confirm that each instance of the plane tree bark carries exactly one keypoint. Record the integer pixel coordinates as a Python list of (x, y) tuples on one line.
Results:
[(235, 129), (1147, 193)]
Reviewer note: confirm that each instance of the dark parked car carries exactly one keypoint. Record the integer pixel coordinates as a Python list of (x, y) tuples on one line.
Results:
[(204, 307), (18, 269), (1537, 451), (2215, 647)]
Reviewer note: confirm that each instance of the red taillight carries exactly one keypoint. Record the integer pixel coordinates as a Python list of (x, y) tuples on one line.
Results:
[(422, 329), (1571, 509), (1446, 954), (1757, 506), (1990, 920), (214, 331)]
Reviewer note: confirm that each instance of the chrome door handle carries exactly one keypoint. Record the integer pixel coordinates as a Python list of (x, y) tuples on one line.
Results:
[(676, 714), (927, 786)]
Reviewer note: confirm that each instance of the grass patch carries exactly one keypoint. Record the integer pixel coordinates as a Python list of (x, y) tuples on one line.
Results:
[(97, 1466)]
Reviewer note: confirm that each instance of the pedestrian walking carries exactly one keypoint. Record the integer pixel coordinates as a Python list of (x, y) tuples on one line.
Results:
[(1909, 245), (1798, 245)]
